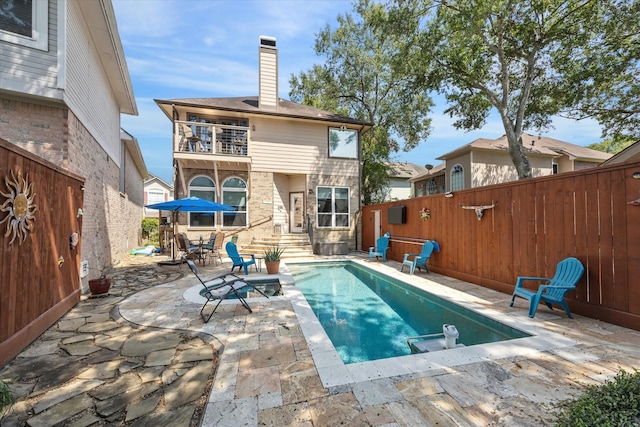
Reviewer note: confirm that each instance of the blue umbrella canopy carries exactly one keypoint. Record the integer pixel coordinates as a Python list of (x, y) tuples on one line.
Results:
[(190, 204)]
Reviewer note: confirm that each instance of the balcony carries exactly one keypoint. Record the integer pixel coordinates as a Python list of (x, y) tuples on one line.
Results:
[(210, 139)]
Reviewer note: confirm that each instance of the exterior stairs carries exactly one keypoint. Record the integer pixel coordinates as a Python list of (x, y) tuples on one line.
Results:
[(296, 245)]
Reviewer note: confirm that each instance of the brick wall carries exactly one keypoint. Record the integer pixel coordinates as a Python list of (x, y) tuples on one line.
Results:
[(55, 134)]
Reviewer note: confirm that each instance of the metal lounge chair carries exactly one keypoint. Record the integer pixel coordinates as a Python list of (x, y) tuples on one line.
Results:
[(419, 261), (219, 288), (380, 249), (238, 260), (568, 273)]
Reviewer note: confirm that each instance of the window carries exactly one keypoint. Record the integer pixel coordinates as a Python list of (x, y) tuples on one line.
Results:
[(155, 196), (333, 207), (343, 143), (457, 178), (25, 23), (431, 186), (204, 188), (234, 193)]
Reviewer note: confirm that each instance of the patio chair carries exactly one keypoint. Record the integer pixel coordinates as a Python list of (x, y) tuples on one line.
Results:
[(194, 143), (419, 261), (219, 288), (215, 246), (184, 245), (380, 249), (568, 273), (238, 260)]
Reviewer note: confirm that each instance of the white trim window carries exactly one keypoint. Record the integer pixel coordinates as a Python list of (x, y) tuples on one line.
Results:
[(204, 188), (332, 207), (234, 193), (24, 22), (457, 178)]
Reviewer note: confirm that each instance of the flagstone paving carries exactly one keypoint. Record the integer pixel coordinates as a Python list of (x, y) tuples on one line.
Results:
[(142, 356)]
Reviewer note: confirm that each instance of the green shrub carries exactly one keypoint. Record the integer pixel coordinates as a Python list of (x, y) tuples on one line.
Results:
[(149, 226), (273, 253), (614, 403), (6, 397)]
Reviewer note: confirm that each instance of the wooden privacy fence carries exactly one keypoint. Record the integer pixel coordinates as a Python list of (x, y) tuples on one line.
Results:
[(39, 277), (535, 223)]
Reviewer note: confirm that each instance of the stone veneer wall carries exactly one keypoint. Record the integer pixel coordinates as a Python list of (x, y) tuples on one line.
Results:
[(108, 228), (335, 235)]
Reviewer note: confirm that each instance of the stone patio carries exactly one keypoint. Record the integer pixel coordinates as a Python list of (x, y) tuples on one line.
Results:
[(143, 356)]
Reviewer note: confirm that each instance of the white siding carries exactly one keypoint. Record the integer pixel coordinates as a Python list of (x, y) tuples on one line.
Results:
[(32, 71), (289, 147), (88, 92)]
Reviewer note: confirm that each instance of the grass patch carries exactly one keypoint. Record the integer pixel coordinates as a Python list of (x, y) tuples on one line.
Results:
[(614, 403)]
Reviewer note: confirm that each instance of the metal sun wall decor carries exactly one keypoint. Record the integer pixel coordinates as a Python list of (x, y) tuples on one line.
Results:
[(19, 207), (480, 209)]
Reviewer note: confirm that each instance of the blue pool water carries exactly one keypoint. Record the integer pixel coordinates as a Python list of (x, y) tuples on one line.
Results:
[(368, 315)]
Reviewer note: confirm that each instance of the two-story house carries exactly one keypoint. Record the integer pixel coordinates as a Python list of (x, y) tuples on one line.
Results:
[(64, 83), (284, 167), (400, 174), (487, 161)]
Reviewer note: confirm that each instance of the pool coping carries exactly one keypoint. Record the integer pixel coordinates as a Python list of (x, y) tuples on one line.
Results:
[(334, 373)]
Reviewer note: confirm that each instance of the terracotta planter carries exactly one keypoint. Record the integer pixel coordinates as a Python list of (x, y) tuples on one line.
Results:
[(273, 267), (99, 286)]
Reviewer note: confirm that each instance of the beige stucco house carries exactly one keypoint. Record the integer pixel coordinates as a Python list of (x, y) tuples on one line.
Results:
[(64, 83), (285, 167), (431, 181), (487, 161)]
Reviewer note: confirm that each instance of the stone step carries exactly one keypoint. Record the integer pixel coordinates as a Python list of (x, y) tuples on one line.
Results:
[(295, 245)]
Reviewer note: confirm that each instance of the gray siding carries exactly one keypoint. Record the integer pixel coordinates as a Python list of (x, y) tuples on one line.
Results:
[(32, 71)]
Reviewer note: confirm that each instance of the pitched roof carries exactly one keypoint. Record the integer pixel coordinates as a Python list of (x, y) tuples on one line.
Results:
[(540, 145), (437, 170), (249, 104), (403, 170)]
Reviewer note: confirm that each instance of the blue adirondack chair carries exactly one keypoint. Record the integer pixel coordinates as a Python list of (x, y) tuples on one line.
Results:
[(568, 272), (380, 249), (419, 261), (238, 260)]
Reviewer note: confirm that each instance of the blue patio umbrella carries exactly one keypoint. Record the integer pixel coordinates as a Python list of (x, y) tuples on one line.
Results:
[(188, 204)]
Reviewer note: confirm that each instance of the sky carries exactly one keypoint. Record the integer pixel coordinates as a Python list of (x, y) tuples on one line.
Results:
[(209, 49)]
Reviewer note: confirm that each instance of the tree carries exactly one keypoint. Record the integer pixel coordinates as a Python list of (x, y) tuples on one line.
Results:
[(362, 78), (510, 56), (612, 145)]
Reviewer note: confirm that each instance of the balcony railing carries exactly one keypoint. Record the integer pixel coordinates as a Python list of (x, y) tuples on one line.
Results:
[(209, 138)]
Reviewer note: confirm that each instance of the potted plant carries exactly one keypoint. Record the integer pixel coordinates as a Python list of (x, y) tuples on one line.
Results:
[(272, 258), (102, 284)]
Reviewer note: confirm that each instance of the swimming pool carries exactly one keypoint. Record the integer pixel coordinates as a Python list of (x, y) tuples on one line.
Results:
[(369, 315)]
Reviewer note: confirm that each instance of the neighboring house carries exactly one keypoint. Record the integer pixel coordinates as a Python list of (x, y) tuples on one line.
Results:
[(63, 85), (432, 181), (156, 190), (285, 167), (400, 173), (628, 155), (487, 161)]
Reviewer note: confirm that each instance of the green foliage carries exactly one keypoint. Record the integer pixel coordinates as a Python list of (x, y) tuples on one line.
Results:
[(273, 253), (364, 77), (527, 61), (614, 403), (612, 145), (149, 226), (6, 397)]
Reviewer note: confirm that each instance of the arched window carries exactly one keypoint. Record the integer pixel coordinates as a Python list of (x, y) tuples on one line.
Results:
[(234, 193), (457, 178), (204, 188), (431, 186)]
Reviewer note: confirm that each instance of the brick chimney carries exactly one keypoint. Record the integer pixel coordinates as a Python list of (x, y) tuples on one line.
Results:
[(268, 58)]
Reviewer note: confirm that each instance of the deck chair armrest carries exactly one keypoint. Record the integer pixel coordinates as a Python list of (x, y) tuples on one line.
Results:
[(538, 279), (253, 256), (406, 256), (543, 287)]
